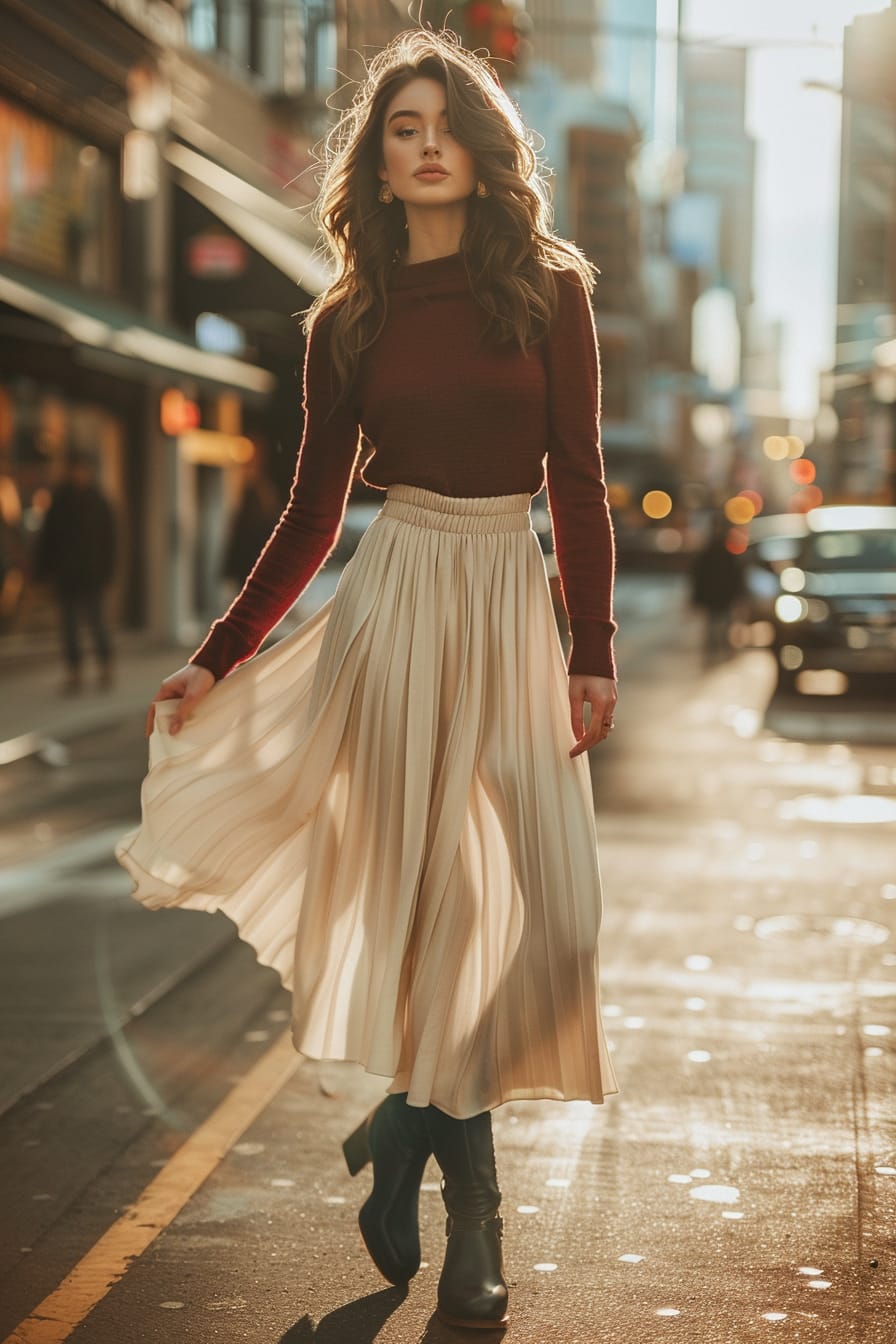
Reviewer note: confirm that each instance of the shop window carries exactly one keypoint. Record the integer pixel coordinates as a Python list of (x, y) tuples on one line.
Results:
[(265, 40), (56, 200)]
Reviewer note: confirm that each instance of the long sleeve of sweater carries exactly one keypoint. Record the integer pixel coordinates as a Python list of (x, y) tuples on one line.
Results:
[(309, 525), (577, 494)]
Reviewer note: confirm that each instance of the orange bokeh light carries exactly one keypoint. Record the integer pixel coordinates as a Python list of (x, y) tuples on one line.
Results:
[(657, 504), (739, 510), (808, 498), (802, 471), (736, 541), (755, 499)]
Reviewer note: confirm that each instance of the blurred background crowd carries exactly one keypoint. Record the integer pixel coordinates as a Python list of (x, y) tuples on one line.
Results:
[(732, 174)]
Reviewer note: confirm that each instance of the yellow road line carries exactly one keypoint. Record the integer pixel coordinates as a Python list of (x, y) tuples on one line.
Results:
[(162, 1200)]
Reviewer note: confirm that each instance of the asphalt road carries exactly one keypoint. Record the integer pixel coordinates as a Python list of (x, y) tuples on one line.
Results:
[(742, 1186)]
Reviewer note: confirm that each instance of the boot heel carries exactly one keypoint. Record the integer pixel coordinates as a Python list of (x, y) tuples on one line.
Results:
[(356, 1148)]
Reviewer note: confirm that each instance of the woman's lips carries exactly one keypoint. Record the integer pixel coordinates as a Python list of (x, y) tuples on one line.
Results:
[(431, 175)]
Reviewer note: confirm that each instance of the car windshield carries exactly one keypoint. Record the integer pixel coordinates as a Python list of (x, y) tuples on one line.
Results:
[(851, 550)]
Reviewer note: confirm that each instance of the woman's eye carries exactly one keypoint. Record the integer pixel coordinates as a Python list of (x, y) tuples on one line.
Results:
[(405, 131)]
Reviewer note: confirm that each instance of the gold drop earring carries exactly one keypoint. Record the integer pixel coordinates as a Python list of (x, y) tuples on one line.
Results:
[(482, 190), (385, 194)]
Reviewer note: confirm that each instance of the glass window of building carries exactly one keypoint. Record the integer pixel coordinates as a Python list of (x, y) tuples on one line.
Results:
[(203, 24), (266, 41)]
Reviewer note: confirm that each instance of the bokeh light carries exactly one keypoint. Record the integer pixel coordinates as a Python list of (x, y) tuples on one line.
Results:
[(795, 446), (802, 471), (669, 540), (736, 541), (790, 657), (793, 579), (657, 504), (618, 495), (755, 499), (776, 447), (739, 510), (790, 608), (810, 497)]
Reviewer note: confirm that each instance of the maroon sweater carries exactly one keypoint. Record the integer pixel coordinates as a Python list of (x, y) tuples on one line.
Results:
[(437, 409)]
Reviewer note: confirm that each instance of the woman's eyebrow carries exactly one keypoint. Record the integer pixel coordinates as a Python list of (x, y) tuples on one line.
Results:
[(406, 112)]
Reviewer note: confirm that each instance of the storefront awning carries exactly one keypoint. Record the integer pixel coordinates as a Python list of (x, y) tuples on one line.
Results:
[(264, 223), (108, 334)]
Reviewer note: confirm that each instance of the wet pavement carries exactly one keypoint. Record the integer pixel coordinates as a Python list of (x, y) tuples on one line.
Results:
[(741, 1187)]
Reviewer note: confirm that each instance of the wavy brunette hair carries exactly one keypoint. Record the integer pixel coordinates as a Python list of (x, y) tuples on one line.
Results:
[(508, 246)]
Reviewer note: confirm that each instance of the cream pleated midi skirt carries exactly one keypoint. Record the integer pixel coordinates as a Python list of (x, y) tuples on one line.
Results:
[(384, 805)]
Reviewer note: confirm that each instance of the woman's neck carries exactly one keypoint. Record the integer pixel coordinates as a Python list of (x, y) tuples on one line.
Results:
[(431, 238)]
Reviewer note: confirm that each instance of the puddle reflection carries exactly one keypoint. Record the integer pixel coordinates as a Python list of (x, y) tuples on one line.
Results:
[(857, 809), (864, 932), (716, 1194)]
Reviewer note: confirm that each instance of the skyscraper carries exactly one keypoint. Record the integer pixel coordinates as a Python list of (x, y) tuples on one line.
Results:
[(720, 157)]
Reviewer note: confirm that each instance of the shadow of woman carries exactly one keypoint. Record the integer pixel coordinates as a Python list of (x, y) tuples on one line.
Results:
[(359, 1321)]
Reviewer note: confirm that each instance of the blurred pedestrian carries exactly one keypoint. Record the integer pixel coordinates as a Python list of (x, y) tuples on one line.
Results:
[(76, 555), (716, 584), (393, 803)]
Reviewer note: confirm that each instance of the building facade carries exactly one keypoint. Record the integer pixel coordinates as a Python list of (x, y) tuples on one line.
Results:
[(157, 173), (719, 160), (862, 385)]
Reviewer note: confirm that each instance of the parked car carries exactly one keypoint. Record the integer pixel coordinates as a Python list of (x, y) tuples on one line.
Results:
[(836, 611)]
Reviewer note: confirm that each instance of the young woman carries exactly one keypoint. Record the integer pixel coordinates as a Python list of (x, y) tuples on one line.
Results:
[(393, 803)]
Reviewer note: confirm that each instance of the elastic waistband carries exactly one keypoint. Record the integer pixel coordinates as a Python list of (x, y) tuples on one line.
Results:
[(446, 513)]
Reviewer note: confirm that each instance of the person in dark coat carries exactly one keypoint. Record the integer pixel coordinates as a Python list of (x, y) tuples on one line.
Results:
[(716, 584), (76, 555)]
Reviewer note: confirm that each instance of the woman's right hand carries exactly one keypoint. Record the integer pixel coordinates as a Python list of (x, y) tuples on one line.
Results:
[(188, 685)]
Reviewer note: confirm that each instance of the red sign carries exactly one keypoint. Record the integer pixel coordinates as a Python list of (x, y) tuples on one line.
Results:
[(217, 255)]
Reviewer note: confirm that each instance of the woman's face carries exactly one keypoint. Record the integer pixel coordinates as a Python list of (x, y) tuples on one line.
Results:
[(422, 162)]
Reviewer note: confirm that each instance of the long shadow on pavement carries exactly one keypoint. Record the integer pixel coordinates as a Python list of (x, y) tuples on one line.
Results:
[(362, 1320), (359, 1321)]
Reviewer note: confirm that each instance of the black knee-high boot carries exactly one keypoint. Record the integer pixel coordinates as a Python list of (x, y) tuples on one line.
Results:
[(395, 1138), (472, 1288)]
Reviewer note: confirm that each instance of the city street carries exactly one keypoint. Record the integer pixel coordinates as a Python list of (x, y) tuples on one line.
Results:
[(741, 1187)]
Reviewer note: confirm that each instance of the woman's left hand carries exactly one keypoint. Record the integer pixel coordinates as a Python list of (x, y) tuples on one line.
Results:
[(600, 692)]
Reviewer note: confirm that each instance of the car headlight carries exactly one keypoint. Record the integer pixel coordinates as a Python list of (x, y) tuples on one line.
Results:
[(790, 608), (793, 580)]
